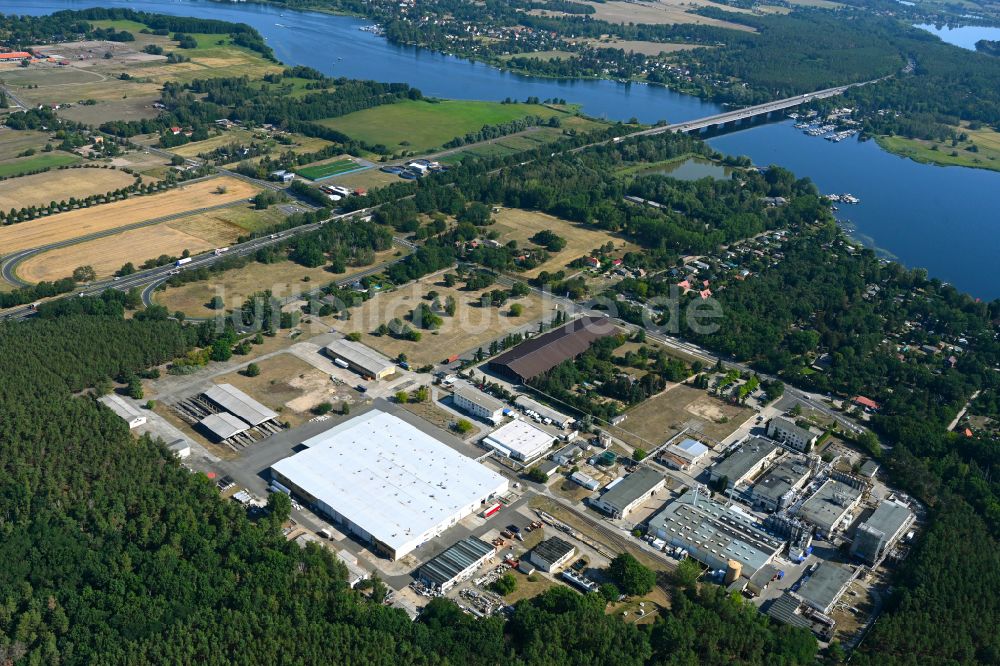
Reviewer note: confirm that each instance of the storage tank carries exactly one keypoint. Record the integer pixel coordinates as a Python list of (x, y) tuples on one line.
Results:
[(733, 571)]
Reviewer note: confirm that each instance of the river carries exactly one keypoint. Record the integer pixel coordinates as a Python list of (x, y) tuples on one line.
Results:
[(943, 219)]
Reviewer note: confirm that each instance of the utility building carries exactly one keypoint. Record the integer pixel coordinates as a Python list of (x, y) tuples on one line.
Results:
[(881, 531), (540, 354), (552, 554), (631, 491), (458, 563), (361, 359), (223, 425), (387, 481), (128, 412)]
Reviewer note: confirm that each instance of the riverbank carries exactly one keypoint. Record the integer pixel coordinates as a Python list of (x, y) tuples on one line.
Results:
[(980, 151)]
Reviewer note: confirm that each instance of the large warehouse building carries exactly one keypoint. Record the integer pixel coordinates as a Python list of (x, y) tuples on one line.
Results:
[(387, 481), (539, 355), (361, 359)]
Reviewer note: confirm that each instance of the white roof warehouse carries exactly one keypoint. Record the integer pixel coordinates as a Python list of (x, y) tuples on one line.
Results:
[(387, 481)]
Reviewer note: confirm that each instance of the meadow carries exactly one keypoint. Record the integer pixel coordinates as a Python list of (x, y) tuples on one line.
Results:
[(420, 126)]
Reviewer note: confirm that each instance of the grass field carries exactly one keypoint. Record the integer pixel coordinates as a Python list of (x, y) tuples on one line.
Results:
[(327, 169), (245, 218), (39, 189), (645, 48), (15, 142), (520, 225), (421, 126), (664, 415), (85, 221), (284, 278), (516, 143), (940, 153), (302, 144), (471, 327), (51, 160)]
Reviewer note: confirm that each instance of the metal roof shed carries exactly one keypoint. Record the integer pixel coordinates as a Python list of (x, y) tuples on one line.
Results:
[(235, 401), (223, 425)]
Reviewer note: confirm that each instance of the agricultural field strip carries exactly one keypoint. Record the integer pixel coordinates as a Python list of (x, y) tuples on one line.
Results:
[(9, 264)]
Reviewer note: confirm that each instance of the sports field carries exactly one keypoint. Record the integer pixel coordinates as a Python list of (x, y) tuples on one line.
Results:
[(420, 126), (85, 221), (43, 161), (325, 170), (60, 185)]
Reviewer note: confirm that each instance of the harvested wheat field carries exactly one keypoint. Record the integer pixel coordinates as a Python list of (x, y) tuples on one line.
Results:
[(59, 185), (663, 12), (86, 221), (107, 255), (520, 225)]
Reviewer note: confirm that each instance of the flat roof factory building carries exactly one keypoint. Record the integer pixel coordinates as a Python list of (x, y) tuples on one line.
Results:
[(519, 440), (776, 488), (540, 354), (477, 403), (745, 462), (829, 505), (128, 412), (387, 481), (631, 491), (714, 534), (456, 564), (881, 531), (361, 359), (825, 586)]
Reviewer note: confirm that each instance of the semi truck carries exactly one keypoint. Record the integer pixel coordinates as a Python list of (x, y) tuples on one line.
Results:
[(181, 262), (220, 250), (342, 363)]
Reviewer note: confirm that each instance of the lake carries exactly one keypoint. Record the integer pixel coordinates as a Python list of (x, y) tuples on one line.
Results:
[(943, 219), (963, 36)]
